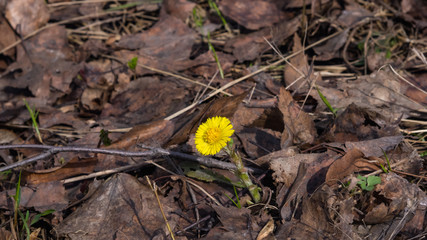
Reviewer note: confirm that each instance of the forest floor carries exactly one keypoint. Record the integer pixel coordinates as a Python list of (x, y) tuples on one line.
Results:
[(100, 101)]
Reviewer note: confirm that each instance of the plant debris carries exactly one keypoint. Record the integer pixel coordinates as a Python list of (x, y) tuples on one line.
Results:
[(100, 102)]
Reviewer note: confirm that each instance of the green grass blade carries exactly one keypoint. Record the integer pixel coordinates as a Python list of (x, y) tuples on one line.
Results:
[(326, 102)]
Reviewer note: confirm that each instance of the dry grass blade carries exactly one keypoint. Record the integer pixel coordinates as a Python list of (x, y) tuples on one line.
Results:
[(154, 189)]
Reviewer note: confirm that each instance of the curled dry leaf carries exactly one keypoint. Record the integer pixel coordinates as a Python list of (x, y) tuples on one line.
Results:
[(351, 162), (151, 133), (358, 123), (253, 14), (75, 166), (30, 15), (247, 47), (121, 207), (224, 107), (35, 196), (298, 72), (299, 127)]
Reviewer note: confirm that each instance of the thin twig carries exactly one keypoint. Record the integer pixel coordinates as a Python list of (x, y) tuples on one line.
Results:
[(51, 150)]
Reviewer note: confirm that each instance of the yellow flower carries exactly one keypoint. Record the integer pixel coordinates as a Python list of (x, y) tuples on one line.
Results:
[(213, 135)]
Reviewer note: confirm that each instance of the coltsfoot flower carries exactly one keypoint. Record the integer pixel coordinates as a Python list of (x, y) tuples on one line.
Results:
[(213, 135)]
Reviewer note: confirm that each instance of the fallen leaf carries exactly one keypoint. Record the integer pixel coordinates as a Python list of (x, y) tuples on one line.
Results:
[(298, 74), (259, 142), (27, 16), (299, 127), (73, 167), (181, 9), (375, 147), (41, 197), (247, 47), (253, 14), (351, 162), (359, 123), (224, 107), (330, 49), (121, 207), (156, 133)]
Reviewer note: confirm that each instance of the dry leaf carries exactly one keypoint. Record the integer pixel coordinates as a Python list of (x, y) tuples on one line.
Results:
[(351, 162), (304, 72), (155, 133), (299, 127), (224, 107), (74, 167)]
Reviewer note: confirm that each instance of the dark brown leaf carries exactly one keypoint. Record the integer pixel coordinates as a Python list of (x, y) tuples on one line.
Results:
[(156, 133), (224, 107), (251, 14), (121, 207), (299, 127)]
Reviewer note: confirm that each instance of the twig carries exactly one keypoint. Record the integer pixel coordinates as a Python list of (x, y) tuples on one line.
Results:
[(51, 150)]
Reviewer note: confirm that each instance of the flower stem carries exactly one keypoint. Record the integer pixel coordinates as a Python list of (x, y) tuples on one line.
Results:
[(242, 173)]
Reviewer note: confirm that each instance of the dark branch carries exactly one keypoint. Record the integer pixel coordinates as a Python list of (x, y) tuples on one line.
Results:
[(51, 150)]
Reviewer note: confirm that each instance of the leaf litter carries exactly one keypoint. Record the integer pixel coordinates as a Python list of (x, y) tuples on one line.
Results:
[(69, 61)]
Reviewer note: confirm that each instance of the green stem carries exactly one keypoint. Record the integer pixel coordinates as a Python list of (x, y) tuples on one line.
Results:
[(242, 173)]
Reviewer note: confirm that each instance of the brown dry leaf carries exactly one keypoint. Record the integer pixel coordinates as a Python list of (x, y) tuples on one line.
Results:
[(121, 208), (146, 99), (253, 14), (43, 69), (413, 93), (376, 60), (353, 14), (330, 49), (244, 116), (156, 133), (7, 37), (235, 223), (180, 9), (283, 153), (41, 197), (27, 16), (265, 82), (328, 214), (416, 9), (93, 99), (169, 35), (305, 73), (396, 204), (153, 134), (309, 177), (224, 107), (299, 127), (375, 147), (9, 137), (248, 47), (357, 124), (284, 164), (208, 66), (258, 142), (381, 91), (57, 118), (266, 232), (351, 162), (74, 167)]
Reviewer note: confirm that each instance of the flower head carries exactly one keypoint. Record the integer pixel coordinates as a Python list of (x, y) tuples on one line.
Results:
[(213, 135)]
